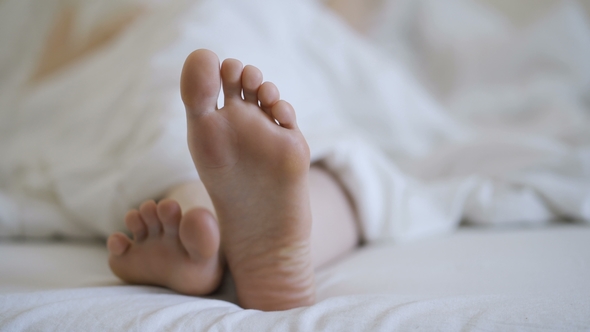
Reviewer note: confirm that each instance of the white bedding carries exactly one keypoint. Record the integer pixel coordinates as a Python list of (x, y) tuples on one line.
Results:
[(493, 153), (503, 142), (477, 279)]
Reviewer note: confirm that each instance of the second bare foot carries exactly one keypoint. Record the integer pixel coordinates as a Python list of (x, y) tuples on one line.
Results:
[(168, 249)]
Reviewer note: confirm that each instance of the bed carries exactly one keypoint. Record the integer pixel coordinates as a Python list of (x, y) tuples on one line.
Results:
[(476, 279), (474, 206)]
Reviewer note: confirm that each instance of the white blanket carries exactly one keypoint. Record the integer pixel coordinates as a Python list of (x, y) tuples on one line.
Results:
[(508, 141)]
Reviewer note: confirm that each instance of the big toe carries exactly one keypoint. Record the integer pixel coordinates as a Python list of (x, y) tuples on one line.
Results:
[(200, 82), (199, 234)]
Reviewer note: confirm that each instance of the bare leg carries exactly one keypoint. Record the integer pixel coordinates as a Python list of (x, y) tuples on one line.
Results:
[(335, 229)]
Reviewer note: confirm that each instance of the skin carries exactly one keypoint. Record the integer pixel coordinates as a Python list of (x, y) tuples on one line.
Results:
[(252, 208)]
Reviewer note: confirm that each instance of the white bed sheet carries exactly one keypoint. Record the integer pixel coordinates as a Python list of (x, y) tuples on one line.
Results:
[(477, 279)]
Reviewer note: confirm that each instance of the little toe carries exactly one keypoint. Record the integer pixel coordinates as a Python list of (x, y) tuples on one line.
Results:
[(268, 94), (251, 81), (231, 77), (118, 243), (148, 213), (169, 214), (199, 233), (136, 225), (284, 113), (200, 82)]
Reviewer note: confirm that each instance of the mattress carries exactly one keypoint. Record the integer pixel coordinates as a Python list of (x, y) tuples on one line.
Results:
[(476, 279)]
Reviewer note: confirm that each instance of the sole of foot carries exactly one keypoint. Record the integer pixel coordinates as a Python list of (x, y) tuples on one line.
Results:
[(254, 162), (169, 249)]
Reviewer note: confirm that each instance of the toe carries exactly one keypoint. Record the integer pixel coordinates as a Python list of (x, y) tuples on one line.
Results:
[(169, 214), (136, 225), (118, 243), (268, 94), (200, 82), (284, 113), (251, 81), (199, 233), (231, 76), (148, 213)]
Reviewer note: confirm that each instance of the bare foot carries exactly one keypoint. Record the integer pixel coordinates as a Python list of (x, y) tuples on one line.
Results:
[(256, 174), (168, 249)]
